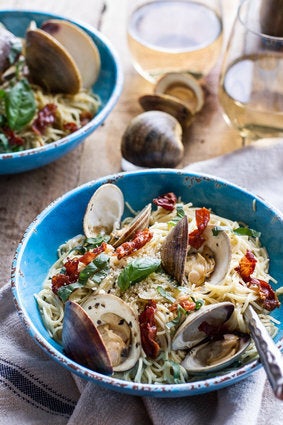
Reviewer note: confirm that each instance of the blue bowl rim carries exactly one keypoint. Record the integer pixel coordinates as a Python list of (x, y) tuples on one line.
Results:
[(139, 389), (101, 116)]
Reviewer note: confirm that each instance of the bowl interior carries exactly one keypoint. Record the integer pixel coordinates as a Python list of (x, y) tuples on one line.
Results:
[(63, 219), (108, 87)]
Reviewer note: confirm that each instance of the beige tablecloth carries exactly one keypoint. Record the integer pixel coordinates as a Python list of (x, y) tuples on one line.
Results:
[(36, 390)]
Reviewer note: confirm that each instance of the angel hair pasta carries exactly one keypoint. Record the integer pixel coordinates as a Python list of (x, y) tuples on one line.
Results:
[(147, 284)]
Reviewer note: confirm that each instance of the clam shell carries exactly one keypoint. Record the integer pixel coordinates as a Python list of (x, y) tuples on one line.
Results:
[(82, 341), (49, 63), (99, 309), (79, 45), (104, 211), (140, 222), (174, 250), (183, 87), (188, 334), (196, 359), (153, 139)]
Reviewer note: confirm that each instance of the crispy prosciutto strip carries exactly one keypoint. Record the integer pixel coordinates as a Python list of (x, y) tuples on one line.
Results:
[(202, 219), (140, 239), (166, 201), (71, 274), (266, 295), (149, 330)]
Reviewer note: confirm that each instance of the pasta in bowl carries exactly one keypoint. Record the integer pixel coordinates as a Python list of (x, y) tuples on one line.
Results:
[(160, 301), (51, 99)]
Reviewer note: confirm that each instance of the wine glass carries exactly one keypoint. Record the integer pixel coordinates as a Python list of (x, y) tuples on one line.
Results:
[(174, 36), (251, 80)]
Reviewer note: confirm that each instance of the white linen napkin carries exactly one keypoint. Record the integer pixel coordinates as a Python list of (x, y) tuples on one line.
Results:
[(36, 390)]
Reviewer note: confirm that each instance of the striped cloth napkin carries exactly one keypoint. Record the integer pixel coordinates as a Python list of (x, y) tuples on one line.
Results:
[(36, 390)]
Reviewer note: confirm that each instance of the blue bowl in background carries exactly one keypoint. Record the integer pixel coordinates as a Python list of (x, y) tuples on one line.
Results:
[(108, 87), (62, 220)]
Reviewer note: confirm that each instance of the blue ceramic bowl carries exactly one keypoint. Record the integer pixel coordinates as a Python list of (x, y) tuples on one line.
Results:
[(63, 220), (108, 87)]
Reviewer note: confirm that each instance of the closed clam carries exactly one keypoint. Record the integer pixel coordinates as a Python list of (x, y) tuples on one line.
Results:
[(153, 139), (60, 57), (211, 344), (102, 334)]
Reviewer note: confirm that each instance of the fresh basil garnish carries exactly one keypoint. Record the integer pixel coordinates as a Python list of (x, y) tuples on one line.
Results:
[(175, 322), (180, 213), (65, 291), (136, 271), (97, 270), (91, 243), (243, 231), (246, 231), (20, 105), (165, 294)]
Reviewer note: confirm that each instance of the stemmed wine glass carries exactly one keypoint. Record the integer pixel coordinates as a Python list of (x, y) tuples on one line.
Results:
[(251, 81)]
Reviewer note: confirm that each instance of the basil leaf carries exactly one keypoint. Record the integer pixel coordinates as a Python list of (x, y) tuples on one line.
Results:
[(242, 231), (20, 105), (246, 231), (4, 143), (175, 322), (65, 291), (95, 242), (97, 270), (180, 213), (165, 294), (136, 271), (176, 371), (15, 50)]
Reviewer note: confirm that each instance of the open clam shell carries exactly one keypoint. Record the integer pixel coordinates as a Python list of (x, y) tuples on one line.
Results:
[(140, 222), (174, 250), (60, 57), (102, 334), (104, 211), (210, 347), (183, 87), (79, 45)]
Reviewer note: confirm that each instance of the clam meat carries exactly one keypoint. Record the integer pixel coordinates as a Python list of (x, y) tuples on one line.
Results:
[(210, 343), (212, 261), (102, 334)]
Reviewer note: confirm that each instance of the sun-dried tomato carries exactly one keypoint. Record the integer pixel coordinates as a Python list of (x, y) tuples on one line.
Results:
[(59, 280), (45, 118), (71, 267), (149, 330), (13, 139), (185, 303), (202, 219), (140, 239), (267, 297), (85, 117), (91, 255), (246, 266), (71, 127), (166, 201)]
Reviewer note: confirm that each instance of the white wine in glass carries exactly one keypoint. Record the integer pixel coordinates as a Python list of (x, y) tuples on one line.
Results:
[(251, 82), (174, 35)]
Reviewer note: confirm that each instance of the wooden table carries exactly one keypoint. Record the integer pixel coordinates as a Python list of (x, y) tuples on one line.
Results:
[(25, 195)]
